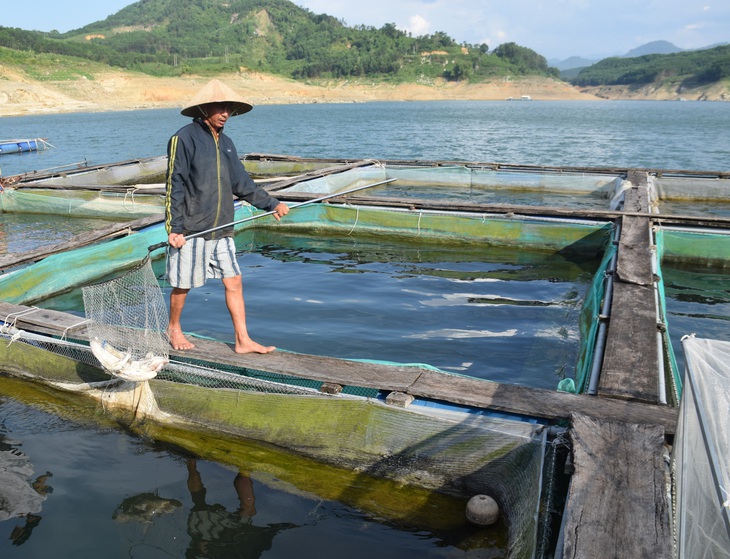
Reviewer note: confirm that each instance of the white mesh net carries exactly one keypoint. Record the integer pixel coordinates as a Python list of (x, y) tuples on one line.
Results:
[(128, 318)]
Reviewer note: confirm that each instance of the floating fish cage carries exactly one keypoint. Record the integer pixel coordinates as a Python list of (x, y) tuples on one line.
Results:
[(447, 448)]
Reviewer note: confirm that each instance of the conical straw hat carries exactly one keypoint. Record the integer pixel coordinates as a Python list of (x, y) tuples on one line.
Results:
[(216, 91)]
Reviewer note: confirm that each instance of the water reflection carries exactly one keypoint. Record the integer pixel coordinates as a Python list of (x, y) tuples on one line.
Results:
[(214, 530), (217, 532), (19, 497), (697, 302), (144, 507)]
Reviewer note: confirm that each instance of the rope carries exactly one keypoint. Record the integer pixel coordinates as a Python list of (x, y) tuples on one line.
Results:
[(14, 334), (65, 331), (129, 192), (17, 315), (15, 337), (357, 217)]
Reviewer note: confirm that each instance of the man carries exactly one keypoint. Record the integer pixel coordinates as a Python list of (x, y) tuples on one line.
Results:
[(204, 174)]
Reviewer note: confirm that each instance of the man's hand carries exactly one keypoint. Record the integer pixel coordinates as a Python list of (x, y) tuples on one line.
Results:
[(176, 240), (280, 210)]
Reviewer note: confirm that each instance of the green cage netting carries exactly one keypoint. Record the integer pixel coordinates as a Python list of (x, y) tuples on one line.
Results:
[(442, 448)]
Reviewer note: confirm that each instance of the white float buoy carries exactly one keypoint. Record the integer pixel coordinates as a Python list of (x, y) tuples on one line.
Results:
[(482, 510)]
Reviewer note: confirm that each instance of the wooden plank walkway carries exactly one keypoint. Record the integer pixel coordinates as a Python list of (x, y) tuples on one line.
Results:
[(419, 382), (618, 505), (631, 358)]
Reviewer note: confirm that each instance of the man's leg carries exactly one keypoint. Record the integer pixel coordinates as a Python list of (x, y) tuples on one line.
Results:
[(236, 306), (174, 329)]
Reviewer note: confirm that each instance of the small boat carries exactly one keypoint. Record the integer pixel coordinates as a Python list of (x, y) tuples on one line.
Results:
[(21, 146)]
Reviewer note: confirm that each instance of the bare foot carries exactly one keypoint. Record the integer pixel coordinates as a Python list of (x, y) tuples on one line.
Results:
[(178, 340), (249, 346)]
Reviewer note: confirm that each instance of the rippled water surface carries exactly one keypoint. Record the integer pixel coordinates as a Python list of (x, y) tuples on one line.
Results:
[(505, 315), (655, 134)]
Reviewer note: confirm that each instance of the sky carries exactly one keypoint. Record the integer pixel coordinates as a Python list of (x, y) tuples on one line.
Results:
[(556, 29)]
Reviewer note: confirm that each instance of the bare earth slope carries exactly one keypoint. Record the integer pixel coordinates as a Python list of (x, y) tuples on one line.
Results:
[(121, 90)]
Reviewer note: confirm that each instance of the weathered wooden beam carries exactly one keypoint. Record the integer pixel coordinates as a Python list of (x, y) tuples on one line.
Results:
[(634, 252), (415, 381), (539, 402), (618, 503), (630, 368), (514, 210), (631, 357), (637, 198)]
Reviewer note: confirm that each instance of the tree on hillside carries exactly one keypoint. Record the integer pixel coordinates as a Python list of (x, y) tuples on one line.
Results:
[(173, 37), (526, 60)]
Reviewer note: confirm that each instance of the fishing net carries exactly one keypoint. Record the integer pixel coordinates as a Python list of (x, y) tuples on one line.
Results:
[(127, 322), (440, 448)]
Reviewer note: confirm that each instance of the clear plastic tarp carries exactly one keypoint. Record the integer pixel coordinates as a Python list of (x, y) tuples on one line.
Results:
[(701, 454)]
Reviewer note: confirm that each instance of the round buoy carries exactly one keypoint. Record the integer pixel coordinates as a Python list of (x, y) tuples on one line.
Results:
[(482, 510)]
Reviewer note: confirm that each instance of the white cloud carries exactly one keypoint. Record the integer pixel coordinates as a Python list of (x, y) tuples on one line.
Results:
[(417, 25)]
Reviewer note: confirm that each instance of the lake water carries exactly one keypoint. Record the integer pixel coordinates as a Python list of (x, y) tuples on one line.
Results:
[(647, 134), (434, 305)]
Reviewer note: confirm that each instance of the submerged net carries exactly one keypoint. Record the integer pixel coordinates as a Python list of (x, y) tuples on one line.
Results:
[(431, 446), (127, 322)]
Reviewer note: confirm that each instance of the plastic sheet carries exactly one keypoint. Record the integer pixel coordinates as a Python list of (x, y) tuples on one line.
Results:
[(701, 450)]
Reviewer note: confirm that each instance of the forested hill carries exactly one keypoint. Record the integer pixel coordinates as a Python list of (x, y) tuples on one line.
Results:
[(178, 37), (684, 69)]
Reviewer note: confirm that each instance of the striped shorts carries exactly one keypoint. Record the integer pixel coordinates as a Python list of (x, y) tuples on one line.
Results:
[(199, 260)]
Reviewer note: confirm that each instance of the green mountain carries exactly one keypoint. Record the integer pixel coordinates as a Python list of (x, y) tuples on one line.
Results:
[(654, 47), (686, 68), (178, 37)]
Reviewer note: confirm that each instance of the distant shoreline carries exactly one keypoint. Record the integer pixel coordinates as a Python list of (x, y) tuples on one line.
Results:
[(122, 91)]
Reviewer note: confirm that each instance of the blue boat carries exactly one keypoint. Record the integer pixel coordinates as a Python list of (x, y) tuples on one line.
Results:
[(21, 146)]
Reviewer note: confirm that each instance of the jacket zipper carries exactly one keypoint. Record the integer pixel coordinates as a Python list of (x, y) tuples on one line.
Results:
[(218, 171)]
